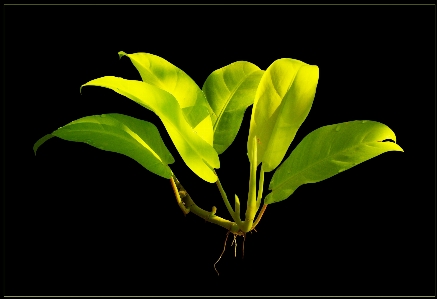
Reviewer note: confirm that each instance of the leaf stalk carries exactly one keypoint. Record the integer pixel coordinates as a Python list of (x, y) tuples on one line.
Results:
[(259, 216), (251, 199), (227, 203)]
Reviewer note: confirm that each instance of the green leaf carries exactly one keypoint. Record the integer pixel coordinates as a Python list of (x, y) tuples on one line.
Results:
[(282, 102), (229, 91), (199, 156), (118, 133), (160, 73), (328, 151)]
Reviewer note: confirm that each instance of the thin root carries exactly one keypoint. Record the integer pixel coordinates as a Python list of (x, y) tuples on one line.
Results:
[(235, 241), (244, 240), (224, 248)]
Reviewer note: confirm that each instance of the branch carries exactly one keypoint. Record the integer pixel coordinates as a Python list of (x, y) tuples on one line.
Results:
[(209, 216), (178, 195)]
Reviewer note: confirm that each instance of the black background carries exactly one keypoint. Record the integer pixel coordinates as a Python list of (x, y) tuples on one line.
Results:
[(80, 221)]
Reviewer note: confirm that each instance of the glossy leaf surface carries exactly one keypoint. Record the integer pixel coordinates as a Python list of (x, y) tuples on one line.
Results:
[(282, 102), (160, 73), (137, 139), (328, 151), (229, 91), (199, 156)]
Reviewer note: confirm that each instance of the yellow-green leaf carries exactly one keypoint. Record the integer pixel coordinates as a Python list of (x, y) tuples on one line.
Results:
[(330, 150), (118, 133), (229, 91), (282, 102)]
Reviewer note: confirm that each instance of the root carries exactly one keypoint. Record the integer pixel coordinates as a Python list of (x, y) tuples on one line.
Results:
[(224, 248), (234, 241), (244, 240)]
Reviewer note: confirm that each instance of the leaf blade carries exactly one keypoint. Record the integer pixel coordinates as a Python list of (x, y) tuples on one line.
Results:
[(283, 100), (327, 151), (134, 138), (229, 91)]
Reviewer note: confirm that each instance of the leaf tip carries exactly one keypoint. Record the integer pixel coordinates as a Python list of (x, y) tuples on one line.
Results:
[(41, 141), (35, 148), (121, 54), (393, 140)]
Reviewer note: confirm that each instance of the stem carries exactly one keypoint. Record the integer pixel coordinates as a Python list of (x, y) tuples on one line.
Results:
[(251, 200), (189, 204), (227, 203), (259, 216), (178, 198)]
